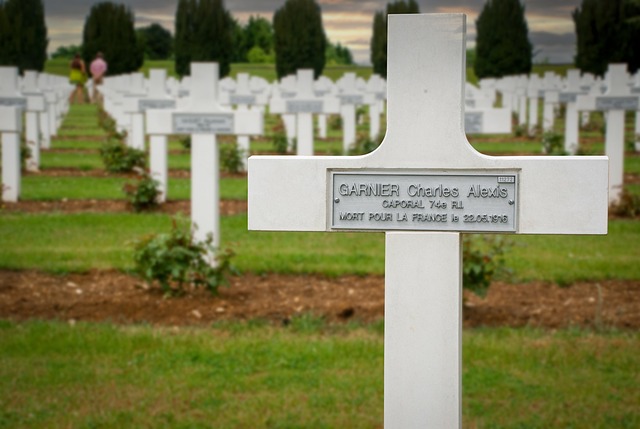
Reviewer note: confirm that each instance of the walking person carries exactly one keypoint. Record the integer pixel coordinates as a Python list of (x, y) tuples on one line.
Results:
[(77, 77), (98, 69)]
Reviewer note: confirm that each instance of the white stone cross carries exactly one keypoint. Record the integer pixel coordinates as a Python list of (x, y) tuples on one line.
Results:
[(423, 186), (569, 95), (36, 106), (203, 118), (376, 87), (13, 105), (10, 129), (304, 104), (350, 98), (244, 99), (615, 102)]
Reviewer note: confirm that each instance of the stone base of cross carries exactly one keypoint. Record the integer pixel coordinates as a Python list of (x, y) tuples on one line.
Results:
[(423, 186)]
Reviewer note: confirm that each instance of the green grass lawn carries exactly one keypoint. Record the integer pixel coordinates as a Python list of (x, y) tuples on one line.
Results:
[(307, 375), (78, 242), (47, 188)]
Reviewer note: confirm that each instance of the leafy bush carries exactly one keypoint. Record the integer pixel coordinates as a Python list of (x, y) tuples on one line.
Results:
[(280, 143), (628, 206), (335, 122), (364, 144), (186, 142), (143, 194), (552, 143), (483, 259), (120, 158), (175, 261), (25, 154), (231, 158)]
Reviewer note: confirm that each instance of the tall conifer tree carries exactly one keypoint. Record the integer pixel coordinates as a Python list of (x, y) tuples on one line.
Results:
[(299, 38), (203, 32), (502, 40), (109, 29), (23, 34), (379, 34), (607, 31)]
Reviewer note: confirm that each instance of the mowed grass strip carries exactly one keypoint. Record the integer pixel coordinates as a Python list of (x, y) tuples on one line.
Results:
[(79, 242), (243, 375), (49, 188)]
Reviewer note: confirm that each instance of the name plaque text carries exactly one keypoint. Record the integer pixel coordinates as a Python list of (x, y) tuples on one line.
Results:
[(13, 102), (242, 99), (568, 97), (203, 123), (304, 106), (145, 104), (469, 202), (617, 103), (473, 122), (351, 98)]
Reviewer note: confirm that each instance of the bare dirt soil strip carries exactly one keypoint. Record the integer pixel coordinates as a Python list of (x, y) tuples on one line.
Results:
[(110, 296)]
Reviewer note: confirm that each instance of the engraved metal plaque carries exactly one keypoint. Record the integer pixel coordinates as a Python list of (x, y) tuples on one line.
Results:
[(568, 97), (350, 99), (617, 103), (242, 99), (473, 122), (155, 104), (304, 106), (203, 123), (465, 202), (13, 102)]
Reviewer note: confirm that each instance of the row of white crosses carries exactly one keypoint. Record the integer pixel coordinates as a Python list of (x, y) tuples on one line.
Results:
[(42, 99), (423, 187)]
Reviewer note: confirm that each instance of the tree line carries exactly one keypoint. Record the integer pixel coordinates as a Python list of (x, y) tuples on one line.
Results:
[(606, 31)]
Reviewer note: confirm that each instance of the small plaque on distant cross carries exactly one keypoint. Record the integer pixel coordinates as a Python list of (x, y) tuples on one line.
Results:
[(144, 104), (304, 106), (473, 122), (13, 102), (477, 202), (203, 123), (617, 103)]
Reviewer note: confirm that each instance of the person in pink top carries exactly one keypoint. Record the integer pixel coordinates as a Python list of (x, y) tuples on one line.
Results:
[(98, 68)]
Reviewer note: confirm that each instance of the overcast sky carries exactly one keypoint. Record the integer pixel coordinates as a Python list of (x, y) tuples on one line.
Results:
[(346, 21)]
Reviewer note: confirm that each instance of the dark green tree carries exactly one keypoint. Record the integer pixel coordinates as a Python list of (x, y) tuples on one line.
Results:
[(338, 54), (66, 51), (204, 32), (23, 34), (109, 28), (184, 35), (258, 32), (155, 41), (378, 54), (607, 31), (299, 38), (502, 40)]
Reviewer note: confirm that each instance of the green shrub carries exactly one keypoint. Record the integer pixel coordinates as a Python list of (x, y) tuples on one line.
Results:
[(231, 158), (175, 261), (143, 193), (185, 141), (552, 143), (335, 122), (483, 259), (364, 144), (120, 158), (280, 143), (628, 206), (25, 154)]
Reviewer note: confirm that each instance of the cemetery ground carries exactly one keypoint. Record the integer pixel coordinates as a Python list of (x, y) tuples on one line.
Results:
[(296, 340)]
